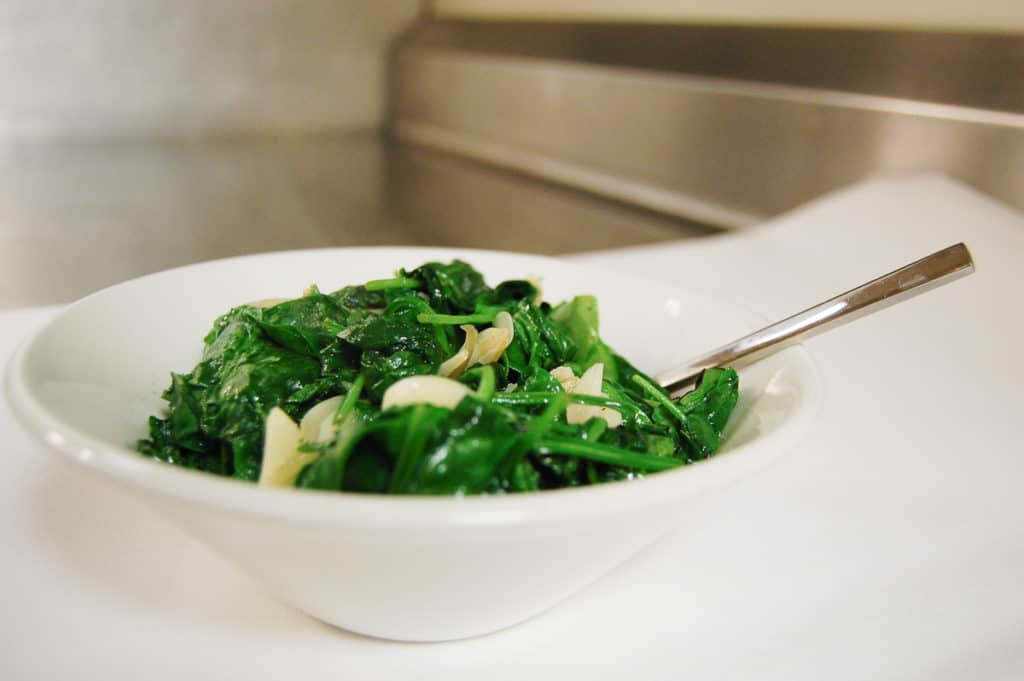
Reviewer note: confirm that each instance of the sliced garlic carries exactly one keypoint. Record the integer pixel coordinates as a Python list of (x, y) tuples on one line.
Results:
[(490, 346), (565, 377), (282, 460), (581, 413), (457, 364), (318, 423), (587, 384), (503, 320), (562, 373), (436, 390), (493, 342), (484, 347), (590, 381), (611, 416)]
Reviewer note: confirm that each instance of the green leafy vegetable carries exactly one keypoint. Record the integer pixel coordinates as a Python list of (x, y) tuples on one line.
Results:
[(581, 319), (515, 426)]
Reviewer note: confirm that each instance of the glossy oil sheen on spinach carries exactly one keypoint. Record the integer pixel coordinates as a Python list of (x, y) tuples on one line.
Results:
[(509, 435)]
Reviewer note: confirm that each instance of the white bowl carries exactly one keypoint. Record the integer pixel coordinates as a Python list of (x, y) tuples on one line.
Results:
[(407, 568)]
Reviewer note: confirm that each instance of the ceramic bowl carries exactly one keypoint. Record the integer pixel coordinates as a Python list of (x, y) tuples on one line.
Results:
[(406, 568)]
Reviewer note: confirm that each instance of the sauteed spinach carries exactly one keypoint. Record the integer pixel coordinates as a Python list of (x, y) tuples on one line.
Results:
[(430, 382)]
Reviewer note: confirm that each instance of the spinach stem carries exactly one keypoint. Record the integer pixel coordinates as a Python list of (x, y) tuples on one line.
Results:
[(442, 339), (595, 429), (349, 403), (349, 432), (527, 398), (440, 332), (485, 389), (476, 318), (564, 429), (411, 451), (542, 423), (685, 429), (657, 394), (555, 444), (396, 282), (536, 429)]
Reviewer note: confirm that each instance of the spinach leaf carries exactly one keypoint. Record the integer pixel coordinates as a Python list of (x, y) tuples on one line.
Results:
[(305, 325), (381, 370), (538, 342), (580, 317), (395, 329), (464, 452), (451, 288), (707, 409), (221, 405), (701, 414), (359, 298), (511, 291)]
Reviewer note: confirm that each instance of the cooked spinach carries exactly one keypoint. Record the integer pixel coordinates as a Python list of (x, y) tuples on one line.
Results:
[(518, 426)]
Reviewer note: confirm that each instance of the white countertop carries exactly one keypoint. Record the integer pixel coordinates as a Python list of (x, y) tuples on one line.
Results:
[(887, 546)]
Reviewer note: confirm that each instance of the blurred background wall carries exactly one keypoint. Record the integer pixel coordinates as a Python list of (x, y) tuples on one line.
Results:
[(137, 135), (723, 112), (124, 68), (102, 68)]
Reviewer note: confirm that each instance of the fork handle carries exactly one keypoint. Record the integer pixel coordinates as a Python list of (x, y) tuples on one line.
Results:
[(923, 275)]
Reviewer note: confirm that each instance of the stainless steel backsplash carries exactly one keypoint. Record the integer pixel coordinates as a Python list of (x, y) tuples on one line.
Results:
[(116, 68), (708, 126), (721, 125)]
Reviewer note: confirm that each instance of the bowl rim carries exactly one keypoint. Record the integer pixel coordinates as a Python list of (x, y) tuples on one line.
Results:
[(129, 469)]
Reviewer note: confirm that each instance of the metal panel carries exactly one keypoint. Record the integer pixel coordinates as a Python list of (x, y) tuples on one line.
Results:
[(987, 15), (984, 71), (78, 216), (722, 151), (119, 68)]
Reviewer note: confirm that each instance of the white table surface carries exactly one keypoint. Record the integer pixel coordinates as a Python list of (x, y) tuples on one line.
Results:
[(887, 546)]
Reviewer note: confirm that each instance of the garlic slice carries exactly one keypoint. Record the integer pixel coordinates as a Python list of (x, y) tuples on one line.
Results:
[(562, 373), (491, 345), (587, 384), (612, 417), (318, 423), (565, 377), (457, 364), (493, 342), (436, 390), (282, 460), (503, 320), (590, 381), (483, 347)]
